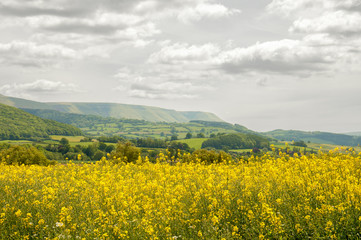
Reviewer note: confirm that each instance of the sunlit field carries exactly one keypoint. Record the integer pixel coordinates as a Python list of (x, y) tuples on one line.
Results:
[(271, 197)]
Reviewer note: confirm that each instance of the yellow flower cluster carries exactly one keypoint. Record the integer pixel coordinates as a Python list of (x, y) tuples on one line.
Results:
[(270, 197)]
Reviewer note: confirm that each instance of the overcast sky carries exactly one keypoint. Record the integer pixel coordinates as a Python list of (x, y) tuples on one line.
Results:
[(265, 64)]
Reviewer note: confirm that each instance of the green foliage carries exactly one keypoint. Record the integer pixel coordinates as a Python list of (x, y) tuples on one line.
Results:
[(86, 139), (236, 141), (179, 146), (201, 135), (23, 154), (300, 144), (91, 150), (64, 141), (109, 148), (150, 143), (98, 155), (111, 139), (189, 135), (16, 124), (125, 152), (131, 128)]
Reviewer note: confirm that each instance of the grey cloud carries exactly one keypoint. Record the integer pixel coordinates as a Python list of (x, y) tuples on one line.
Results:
[(137, 36), (290, 7), (311, 54), (32, 54), (165, 90), (341, 18), (285, 56), (164, 83), (36, 87), (104, 22), (65, 8), (99, 23), (185, 10)]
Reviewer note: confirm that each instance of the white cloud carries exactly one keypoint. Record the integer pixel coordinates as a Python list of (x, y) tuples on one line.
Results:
[(307, 7), (32, 54), (330, 27), (37, 87), (316, 53), (205, 10), (321, 16), (184, 53), (338, 22)]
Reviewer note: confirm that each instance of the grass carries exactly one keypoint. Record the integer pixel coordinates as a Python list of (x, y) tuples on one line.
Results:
[(154, 129), (70, 138), (240, 150), (16, 142), (195, 143)]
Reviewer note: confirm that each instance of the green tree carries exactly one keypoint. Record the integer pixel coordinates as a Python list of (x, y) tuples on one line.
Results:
[(98, 155), (189, 135), (125, 152), (64, 141), (64, 146), (90, 150), (201, 135), (23, 154), (109, 148), (102, 146)]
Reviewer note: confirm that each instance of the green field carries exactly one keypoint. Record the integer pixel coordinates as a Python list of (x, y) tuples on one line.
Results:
[(195, 143), (240, 150), (70, 138), (16, 141)]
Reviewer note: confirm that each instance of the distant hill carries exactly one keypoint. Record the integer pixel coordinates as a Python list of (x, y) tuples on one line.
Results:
[(97, 125), (16, 124), (236, 141), (225, 125), (315, 137), (152, 114), (353, 133)]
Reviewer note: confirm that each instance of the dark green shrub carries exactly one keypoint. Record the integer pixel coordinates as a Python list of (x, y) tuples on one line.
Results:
[(24, 154), (125, 152)]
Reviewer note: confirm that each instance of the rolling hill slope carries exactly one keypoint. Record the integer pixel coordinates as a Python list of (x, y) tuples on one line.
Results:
[(92, 124), (16, 124), (315, 137), (152, 114)]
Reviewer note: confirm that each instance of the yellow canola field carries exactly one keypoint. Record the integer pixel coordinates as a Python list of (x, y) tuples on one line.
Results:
[(283, 197)]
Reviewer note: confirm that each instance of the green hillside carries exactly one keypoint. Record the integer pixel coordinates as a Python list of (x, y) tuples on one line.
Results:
[(16, 124), (152, 114), (99, 126), (236, 141), (315, 137), (353, 133)]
